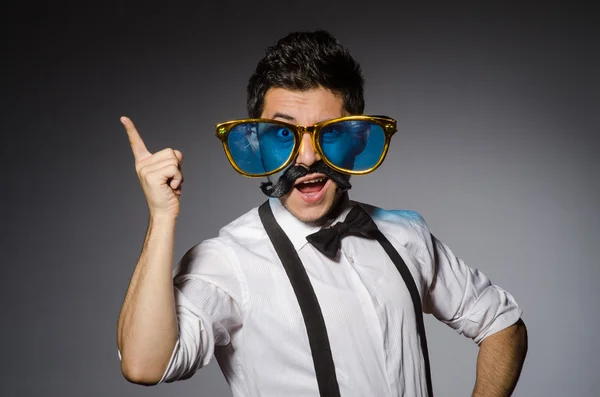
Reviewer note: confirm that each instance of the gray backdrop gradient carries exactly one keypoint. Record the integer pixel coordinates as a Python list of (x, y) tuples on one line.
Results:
[(496, 148)]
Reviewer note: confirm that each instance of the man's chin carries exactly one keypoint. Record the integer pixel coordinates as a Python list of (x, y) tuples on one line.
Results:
[(308, 209)]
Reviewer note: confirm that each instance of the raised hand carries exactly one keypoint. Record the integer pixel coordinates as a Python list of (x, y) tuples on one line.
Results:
[(159, 174)]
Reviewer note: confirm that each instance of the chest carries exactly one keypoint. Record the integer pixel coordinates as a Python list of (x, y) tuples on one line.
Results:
[(359, 289)]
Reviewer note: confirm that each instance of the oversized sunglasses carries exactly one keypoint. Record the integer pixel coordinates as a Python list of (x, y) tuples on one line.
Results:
[(354, 145)]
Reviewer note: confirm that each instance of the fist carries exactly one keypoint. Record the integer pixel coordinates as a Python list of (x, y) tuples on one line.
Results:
[(159, 174)]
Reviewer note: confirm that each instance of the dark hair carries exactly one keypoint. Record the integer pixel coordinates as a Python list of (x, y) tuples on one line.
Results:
[(303, 61)]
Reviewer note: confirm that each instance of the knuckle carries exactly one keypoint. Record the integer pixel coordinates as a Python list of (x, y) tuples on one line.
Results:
[(144, 162), (143, 172), (167, 153), (154, 175)]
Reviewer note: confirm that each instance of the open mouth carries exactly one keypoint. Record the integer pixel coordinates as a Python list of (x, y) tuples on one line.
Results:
[(312, 185)]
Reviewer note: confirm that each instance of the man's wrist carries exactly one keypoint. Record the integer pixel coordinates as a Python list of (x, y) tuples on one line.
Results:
[(162, 219)]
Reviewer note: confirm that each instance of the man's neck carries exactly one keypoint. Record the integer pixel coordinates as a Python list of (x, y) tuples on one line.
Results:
[(338, 205)]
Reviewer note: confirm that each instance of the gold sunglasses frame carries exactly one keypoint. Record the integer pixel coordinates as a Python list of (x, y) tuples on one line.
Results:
[(387, 124)]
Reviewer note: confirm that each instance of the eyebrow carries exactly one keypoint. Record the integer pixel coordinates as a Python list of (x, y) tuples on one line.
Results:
[(290, 118), (284, 116)]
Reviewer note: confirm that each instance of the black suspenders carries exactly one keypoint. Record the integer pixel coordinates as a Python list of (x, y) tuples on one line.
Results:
[(416, 300), (311, 310)]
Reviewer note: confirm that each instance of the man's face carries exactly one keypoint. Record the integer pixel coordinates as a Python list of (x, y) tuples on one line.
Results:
[(313, 195)]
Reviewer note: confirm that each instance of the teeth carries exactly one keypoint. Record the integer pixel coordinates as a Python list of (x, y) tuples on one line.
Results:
[(314, 181)]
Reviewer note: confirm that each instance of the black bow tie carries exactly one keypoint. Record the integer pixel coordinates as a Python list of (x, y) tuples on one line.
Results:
[(357, 223)]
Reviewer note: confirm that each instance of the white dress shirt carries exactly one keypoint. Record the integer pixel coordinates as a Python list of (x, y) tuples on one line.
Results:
[(235, 302)]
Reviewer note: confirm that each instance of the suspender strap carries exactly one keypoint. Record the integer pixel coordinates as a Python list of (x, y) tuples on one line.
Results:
[(311, 310), (416, 300), (309, 305)]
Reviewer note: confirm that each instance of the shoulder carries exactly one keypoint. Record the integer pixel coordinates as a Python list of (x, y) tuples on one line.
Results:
[(217, 259), (396, 218), (406, 227), (246, 230)]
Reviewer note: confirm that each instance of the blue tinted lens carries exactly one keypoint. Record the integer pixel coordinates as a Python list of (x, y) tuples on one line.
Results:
[(353, 145), (260, 148)]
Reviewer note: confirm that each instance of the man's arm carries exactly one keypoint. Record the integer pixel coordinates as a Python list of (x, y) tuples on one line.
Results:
[(147, 330), (500, 359), (466, 300)]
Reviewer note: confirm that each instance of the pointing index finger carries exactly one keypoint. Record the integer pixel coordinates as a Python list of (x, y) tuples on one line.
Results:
[(135, 140)]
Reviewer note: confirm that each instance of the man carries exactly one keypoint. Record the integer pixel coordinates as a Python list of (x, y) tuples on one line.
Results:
[(310, 294)]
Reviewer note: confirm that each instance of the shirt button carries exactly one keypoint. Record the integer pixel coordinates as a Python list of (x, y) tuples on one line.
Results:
[(351, 260)]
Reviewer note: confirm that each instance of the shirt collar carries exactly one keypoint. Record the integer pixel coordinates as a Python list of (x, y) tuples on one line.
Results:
[(295, 229)]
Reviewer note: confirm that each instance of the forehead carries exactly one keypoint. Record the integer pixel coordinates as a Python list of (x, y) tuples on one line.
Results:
[(302, 107)]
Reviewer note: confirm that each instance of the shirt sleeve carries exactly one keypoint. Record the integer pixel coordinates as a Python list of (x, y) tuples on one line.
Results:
[(207, 302), (463, 297)]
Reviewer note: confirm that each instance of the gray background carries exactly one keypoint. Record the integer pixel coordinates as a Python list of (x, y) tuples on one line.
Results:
[(497, 149)]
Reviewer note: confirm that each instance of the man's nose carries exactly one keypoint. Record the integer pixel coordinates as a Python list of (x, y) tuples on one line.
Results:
[(306, 152)]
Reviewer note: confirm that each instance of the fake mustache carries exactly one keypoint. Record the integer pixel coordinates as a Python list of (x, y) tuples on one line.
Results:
[(286, 182)]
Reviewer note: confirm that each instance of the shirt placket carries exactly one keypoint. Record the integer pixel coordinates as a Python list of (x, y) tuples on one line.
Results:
[(369, 301)]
